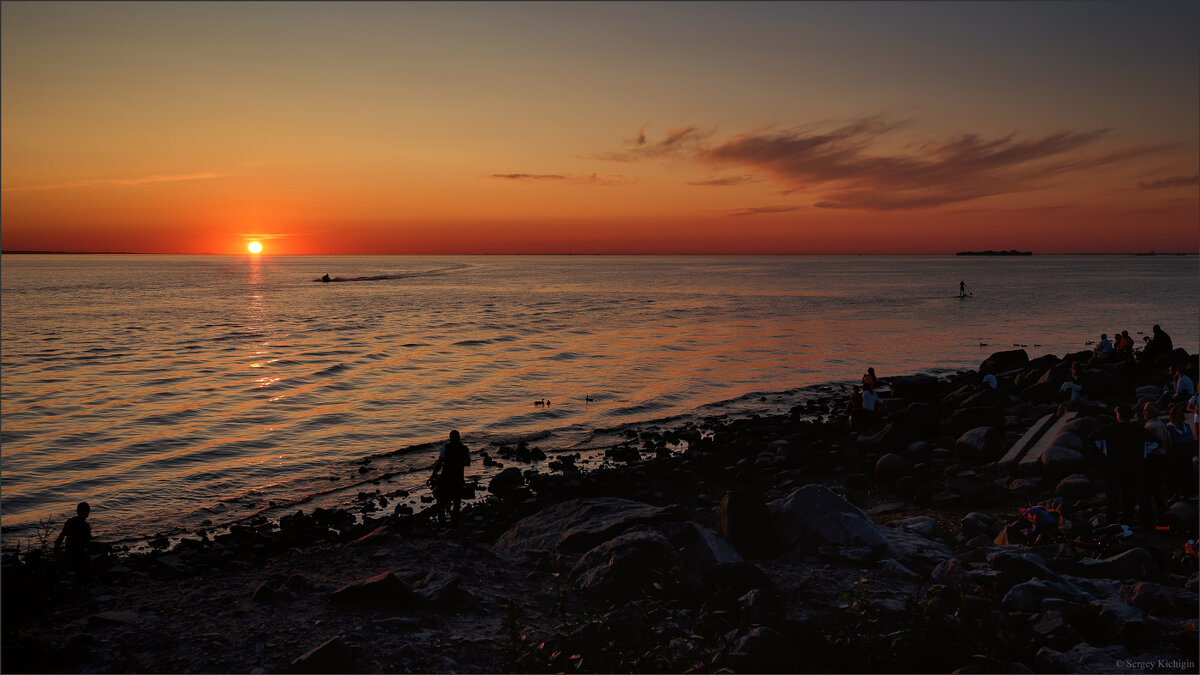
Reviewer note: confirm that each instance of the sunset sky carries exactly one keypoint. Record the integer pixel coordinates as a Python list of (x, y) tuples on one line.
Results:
[(680, 127)]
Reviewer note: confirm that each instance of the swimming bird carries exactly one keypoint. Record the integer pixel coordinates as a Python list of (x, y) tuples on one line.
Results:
[(540, 402), (588, 399), (983, 344)]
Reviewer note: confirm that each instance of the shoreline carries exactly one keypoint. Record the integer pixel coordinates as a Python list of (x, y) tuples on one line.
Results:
[(669, 564)]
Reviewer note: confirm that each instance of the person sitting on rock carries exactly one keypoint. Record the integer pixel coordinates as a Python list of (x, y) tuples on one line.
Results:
[(1072, 389), (1103, 349), (1123, 447), (78, 535), (869, 381), (872, 406), (448, 479), (1154, 472), (1160, 344), (1181, 454), (1181, 389), (1124, 346)]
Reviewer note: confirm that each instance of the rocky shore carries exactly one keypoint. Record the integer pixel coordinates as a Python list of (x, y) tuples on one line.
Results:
[(780, 543)]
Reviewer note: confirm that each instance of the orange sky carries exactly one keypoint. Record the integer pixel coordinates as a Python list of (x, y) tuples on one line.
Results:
[(600, 127)]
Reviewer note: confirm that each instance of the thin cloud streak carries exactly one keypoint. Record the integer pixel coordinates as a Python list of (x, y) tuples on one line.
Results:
[(760, 211), (138, 180), (1167, 183), (725, 181), (573, 179)]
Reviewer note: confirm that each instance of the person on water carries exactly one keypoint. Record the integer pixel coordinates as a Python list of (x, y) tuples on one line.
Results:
[(447, 478), (962, 288), (325, 278)]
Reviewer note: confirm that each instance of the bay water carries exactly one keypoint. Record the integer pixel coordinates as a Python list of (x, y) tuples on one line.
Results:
[(174, 391)]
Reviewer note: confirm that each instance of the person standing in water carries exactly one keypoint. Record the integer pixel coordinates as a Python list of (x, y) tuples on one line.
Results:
[(962, 288), (447, 477)]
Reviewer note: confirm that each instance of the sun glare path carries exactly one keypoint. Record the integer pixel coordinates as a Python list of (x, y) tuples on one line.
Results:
[(255, 247)]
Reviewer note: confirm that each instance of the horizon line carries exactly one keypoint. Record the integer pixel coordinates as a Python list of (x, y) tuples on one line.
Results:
[(601, 253)]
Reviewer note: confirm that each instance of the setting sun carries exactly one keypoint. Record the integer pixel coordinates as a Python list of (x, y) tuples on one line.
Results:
[(255, 247)]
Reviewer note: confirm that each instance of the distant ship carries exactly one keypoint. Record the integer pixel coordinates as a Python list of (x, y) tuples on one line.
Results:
[(991, 252)]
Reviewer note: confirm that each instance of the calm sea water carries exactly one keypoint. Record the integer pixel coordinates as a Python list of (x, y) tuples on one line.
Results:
[(170, 390)]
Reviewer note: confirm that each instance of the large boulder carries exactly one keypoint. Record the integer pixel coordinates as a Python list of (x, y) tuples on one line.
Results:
[(982, 444), (914, 551), (627, 566), (1059, 462), (1075, 486), (578, 525), (890, 468), (382, 591), (700, 549), (1136, 563), (920, 387), (1083, 658), (1159, 600), (1002, 362), (814, 519), (507, 482)]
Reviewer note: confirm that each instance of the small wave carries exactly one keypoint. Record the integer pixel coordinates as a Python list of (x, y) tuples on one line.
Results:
[(471, 343)]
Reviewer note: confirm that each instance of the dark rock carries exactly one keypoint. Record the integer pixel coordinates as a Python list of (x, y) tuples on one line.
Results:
[(950, 572), (917, 451), (1002, 362), (1075, 486), (628, 566), (890, 468), (1160, 600), (813, 518), (578, 525), (334, 656), (976, 523), (700, 549), (1083, 658), (1059, 462), (382, 591), (507, 482), (441, 588), (1117, 618), (920, 387), (1182, 517), (743, 519), (907, 486), (1137, 563), (1051, 629), (983, 444), (922, 525), (1018, 567), (914, 551)]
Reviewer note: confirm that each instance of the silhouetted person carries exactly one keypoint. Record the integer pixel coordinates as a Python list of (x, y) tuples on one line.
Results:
[(447, 477), (1124, 446), (1154, 473), (325, 278), (1158, 345), (77, 533), (962, 288)]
